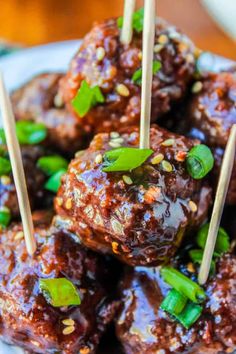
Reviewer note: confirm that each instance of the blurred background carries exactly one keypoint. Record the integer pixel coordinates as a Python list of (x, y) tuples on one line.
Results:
[(28, 22)]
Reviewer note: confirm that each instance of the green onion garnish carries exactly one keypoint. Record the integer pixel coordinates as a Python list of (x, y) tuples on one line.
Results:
[(199, 161), (30, 133), (125, 159), (59, 292), (52, 164), (189, 315), (5, 166), (174, 302), (2, 137), (5, 216), (54, 182), (197, 255), (86, 98), (222, 241), (183, 284), (137, 20), (137, 76)]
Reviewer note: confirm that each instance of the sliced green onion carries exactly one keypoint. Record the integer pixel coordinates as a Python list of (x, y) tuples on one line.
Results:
[(174, 302), (189, 315), (137, 76), (137, 20), (59, 292), (54, 182), (125, 159), (2, 137), (86, 98), (52, 164), (5, 216), (197, 255), (183, 284), (30, 133), (222, 241), (199, 161), (5, 166)]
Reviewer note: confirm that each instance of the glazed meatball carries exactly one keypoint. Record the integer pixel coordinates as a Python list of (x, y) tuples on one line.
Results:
[(26, 317), (212, 113), (104, 61), (143, 328), (35, 180), (39, 101), (139, 216)]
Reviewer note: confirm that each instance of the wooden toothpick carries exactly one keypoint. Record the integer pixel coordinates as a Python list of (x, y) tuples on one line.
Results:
[(147, 64), (17, 167), (222, 189), (127, 28)]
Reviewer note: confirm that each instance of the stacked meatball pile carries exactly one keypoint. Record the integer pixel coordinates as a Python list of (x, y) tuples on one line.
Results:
[(142, 217)]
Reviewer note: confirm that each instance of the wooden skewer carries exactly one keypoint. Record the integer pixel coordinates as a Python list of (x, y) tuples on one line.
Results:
[(127, 28), (147, 64), (222, 189), (17, 167)]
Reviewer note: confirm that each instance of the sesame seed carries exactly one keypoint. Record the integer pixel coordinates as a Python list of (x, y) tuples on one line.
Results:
[(68, 330), (183, 46), (157, 159), (190, 267), (100, 53), (98, 158), (197, 87), (140, 55), (122, 90), (118, 140), (115, 247), (197, 52), (158, 48), (34, 342), (163, 39), (5, 180), (114, 135), (68, 203), (168, 142), (190, 58), (192, 206), (19, 235), (114, 144), (166, 166), (79, 153), (58, 101), (127, 179), (59, 201), (68, 322)]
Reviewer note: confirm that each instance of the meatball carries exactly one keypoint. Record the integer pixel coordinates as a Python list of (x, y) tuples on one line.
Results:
[(139, 216), (212, 113), (104, 61), (35, 180), (26, 317), (143, 327), (39, 101)]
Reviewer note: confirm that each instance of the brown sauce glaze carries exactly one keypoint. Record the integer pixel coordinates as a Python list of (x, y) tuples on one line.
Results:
[(38, 100), (143, 328), (212, 112), (141, 223), (117, 66), (35, 180), (27, 319)]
